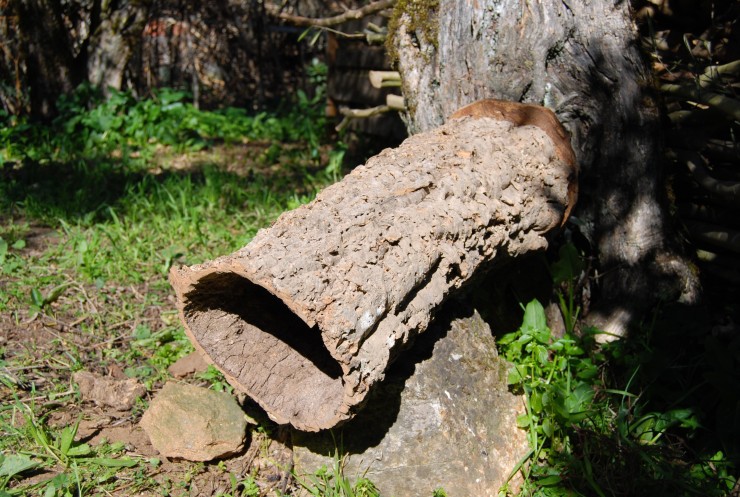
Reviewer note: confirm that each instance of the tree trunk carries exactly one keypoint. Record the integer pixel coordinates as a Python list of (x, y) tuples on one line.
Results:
[(51, 64), (582, 60), (308, 316), (112, 43)]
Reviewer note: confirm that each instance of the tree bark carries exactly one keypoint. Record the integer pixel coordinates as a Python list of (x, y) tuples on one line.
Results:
[(582, 60), (47, 51), (116, 37), (308, 316)]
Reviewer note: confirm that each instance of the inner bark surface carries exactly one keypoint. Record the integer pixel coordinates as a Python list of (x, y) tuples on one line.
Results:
[(263, 346)]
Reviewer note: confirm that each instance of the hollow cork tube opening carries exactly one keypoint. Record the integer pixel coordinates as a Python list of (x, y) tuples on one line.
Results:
[(308, 316), (264, 348)]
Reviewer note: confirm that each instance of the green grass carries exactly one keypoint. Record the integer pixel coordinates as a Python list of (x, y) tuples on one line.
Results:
[(332, 482), (94, 210)]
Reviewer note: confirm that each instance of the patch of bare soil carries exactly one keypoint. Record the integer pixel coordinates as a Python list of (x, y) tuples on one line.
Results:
[(41, 352)]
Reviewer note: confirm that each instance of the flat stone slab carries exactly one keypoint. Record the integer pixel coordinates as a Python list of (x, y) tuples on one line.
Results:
[(188, 422), (188, 365), (448, 422), (109, 392)]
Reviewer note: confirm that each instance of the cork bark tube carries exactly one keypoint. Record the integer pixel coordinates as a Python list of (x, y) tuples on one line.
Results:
[(308, 316)]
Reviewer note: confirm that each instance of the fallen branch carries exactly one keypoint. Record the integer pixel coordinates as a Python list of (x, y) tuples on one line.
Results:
[(720, 265), (351, 114), (726, 150), (729, 106), (697, 117), (718, 236), (710, 213), (392, 103), (384, 79), (325, 22), (725, 192), (713, 75)]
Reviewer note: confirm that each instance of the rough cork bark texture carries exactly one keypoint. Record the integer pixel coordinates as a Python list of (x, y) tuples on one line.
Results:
[(307, 317)]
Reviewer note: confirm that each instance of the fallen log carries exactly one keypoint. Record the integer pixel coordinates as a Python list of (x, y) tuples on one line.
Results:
[(306, 318)]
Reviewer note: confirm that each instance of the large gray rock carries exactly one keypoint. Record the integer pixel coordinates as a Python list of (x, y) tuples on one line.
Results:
[(448, 422), (188, 422)]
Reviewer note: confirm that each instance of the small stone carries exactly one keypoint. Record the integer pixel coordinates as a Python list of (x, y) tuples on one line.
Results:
[(185, 366), (188, 422), (111, 392)]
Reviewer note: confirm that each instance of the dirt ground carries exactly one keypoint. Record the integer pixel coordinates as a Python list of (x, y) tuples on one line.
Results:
[(41, 352)]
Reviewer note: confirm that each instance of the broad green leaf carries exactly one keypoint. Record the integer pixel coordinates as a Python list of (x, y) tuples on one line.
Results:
[(38, 434), (540, 353), (79, 450), (534, 316), (66, 438), (56, 293), (508, 338), (549, 480), (586, 369), (569, 266), (557, 346), (59, 482), (3, 250), (578, 401), (547, 427), (535, 402), (37, 297), (522, 421), (14, 464), (515, 376)]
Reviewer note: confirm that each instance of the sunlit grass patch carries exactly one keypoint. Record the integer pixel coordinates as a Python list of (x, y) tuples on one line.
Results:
[(94, 210)]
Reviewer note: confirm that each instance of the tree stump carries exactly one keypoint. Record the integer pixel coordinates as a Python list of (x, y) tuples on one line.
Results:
[(307, 317)]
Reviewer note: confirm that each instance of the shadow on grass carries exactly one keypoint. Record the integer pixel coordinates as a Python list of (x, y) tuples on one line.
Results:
[(83, 190), (678, 433), (66, 191)]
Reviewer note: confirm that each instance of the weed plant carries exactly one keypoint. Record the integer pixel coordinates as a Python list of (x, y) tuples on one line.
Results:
[(332, 482), (610, 421)]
